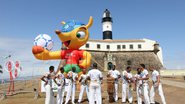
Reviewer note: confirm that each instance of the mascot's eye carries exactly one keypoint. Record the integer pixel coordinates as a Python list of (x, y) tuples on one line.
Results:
[(80, 34)]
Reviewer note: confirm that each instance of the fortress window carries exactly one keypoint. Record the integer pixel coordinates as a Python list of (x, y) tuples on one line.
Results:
[(87, 45), (98, 46), (139, 46), (108, 46), (129, 62), (118, 47), (123, 46), (131, 46)]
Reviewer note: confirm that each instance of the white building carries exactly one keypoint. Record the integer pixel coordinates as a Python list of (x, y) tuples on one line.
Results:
[(123, 45)]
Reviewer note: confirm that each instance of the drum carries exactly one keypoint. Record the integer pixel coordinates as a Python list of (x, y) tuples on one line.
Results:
[(110, 88)]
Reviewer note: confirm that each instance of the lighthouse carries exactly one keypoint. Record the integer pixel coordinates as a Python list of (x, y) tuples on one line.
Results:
[(107, 25)]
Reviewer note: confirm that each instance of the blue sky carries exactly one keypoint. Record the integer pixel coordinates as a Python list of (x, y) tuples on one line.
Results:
[(160, 20)]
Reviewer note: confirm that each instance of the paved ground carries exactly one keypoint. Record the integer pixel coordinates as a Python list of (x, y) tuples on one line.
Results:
[(173, 83)]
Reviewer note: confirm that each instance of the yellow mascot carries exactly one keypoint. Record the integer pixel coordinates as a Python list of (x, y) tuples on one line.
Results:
[(73, 35)]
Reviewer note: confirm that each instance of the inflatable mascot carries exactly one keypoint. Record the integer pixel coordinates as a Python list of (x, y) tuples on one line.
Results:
[(73, 35)]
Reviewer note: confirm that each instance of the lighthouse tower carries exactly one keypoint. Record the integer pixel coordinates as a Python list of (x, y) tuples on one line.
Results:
[(107, 25)]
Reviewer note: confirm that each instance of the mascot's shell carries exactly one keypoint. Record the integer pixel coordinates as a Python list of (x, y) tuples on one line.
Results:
[(71, 25)]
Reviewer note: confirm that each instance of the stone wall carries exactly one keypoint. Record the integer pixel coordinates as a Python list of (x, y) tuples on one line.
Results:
[(133, 59)]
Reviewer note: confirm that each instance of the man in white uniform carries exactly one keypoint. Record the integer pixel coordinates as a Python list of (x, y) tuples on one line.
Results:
[(48, 85), (95, 77), (61, 85), (68, 86), (116, 75), (126, 86), (138, 85), (156, 86), (74, 79), (144, 78), (84, 86)]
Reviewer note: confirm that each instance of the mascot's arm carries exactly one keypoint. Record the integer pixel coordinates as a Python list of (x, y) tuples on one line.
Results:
[(43, 54), (86, 60)]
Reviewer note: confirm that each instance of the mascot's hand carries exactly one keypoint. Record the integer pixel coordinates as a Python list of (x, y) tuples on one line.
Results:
[(82, 64), (85, 62), (39, 52), (37, 49)]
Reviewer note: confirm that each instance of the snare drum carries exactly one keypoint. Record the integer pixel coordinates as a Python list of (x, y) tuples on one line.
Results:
[(110, 88)]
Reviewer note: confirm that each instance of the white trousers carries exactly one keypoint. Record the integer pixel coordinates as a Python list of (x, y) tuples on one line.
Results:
[(73, 92), (116, 92), (82, 88), (60, 95), (49, 95), (95, 89), (125, 89), (139, 94), (160, 91), (68, 90), (145, 93)]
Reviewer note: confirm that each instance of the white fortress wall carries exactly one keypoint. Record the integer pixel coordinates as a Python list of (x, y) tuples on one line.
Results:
[(146, 45)]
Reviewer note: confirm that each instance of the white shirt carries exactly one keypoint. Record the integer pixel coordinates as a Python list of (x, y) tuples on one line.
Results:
[(95, 75), (60, 79), (69, 80), (144, 73), (83, 78), (155, 73), (115, 74), (75, 75), (139, 82), (72, 76), (48, 77), (129, 75)]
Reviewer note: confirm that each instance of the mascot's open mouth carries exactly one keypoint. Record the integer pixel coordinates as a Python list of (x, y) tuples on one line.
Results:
[(66, 43)]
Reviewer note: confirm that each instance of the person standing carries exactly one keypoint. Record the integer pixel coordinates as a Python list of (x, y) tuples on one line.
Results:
[(144, 78), (138, 85), (84, 86), (48, 85), (61, 85), (156, 85), (74, 79), (95, 77), (126, 86), (68, 86), (116, 75)]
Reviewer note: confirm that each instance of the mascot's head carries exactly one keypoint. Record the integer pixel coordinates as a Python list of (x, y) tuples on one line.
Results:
[(74, 34)]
